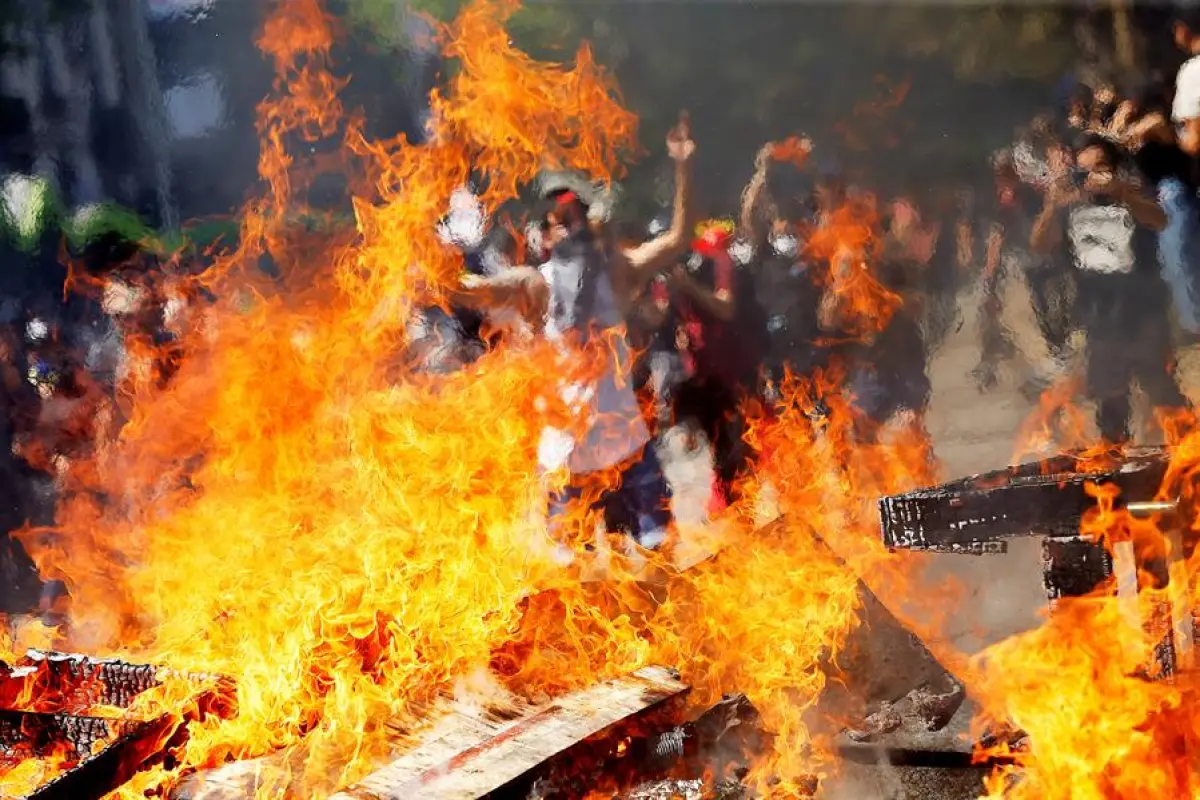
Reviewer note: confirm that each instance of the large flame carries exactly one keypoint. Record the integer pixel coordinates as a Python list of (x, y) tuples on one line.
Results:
[(351, 547), (354, 542)]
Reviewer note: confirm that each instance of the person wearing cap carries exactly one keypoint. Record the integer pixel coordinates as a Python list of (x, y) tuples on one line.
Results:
[(1109, 224), (579, 298)]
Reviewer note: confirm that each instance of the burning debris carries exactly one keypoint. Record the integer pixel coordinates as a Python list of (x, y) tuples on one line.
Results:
[(74, 727), (351, 536)]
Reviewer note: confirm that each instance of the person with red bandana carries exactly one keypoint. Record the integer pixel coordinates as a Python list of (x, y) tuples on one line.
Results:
[(720, 334), (579, 300)]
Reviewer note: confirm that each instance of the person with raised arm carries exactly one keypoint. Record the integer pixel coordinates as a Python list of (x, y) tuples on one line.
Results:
[(578, 300)]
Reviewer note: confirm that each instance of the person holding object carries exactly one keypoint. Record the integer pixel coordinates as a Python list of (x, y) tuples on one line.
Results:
[(1110, 223), (1142, 127), (577, 299)]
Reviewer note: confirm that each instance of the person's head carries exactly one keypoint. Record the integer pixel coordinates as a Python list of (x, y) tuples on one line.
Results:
[(1186, 29), (829, 191), (1096, 155), (568, 214), (713, 236), (567, 197)]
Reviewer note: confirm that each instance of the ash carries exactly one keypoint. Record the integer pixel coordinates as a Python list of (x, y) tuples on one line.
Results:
[(688, 790)]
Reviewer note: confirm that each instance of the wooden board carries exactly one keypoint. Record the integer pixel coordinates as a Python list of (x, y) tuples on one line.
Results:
[(466, 758)]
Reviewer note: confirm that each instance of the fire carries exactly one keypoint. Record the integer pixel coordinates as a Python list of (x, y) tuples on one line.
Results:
[(354, 543), (849, 243), (351, 548), (1117, 727)]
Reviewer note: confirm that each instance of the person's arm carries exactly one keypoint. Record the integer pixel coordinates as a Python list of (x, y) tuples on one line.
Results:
[(757, 203), (1185, 109), (1152, 127), (965, 244), (1145, 209), (649, 258), (1047, 228), (995, 245), (717, 302), (1189, 137), (522, 289)]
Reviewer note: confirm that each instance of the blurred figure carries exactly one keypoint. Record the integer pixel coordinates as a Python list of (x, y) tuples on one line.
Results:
[(1142, 126), (658, 369), (952, 210), (888, 378), (1109, 225), (1185, 108), (775, 232), (579, 300), (721, 336), (1014, 207)]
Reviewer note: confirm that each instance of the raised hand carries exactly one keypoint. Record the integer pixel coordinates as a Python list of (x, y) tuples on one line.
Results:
[(680, 146)]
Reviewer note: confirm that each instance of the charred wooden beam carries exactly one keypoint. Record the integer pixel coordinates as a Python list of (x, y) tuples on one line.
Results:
[(475, 758), (1043, 498), (1073, 567), (47, 708)]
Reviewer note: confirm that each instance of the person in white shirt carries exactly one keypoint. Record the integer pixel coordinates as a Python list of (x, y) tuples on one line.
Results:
[(1109, 224), (579, 299), (1185, 108)]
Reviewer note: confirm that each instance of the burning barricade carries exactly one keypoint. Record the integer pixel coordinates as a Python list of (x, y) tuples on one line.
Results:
[(357, 549)]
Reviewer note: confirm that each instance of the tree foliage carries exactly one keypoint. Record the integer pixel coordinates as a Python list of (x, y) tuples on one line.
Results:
[(980, 43), (748, 72)]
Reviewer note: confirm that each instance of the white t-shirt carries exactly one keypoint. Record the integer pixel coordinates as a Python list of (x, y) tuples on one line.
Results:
[(1187, 91), (1101, 238), (613, 429)]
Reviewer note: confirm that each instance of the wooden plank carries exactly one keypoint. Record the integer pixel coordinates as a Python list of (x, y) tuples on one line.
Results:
[(1125, 568), (466, 762), (1179, 590)]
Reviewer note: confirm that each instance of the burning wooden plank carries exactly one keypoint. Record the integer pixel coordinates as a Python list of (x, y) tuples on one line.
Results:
[(69, 716), (469, 757)]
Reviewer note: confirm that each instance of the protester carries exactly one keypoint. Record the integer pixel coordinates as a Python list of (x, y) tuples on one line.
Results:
[(1109, 224), (1141, 126), (910, 243), (775, 232), (1185, 108), (658, 366), (721, 334), (1014, 207), (580, 294)]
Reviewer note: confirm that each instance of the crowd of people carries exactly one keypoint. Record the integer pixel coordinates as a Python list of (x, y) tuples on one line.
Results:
[(694, 322), (1094, 207)]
